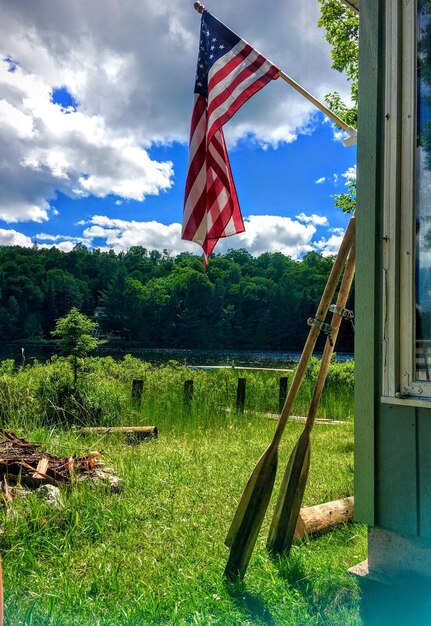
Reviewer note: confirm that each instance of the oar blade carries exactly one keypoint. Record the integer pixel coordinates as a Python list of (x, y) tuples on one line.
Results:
[(245, 500), (289, 501), (250, 514)]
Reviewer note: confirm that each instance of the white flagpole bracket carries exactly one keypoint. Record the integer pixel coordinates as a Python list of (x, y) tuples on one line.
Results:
[(352, 137)]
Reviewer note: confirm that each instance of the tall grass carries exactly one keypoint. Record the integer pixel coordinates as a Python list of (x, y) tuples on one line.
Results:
[(44, 394)]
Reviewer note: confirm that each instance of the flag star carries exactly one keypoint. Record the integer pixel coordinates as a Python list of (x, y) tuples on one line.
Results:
[(212, 48), (208, 33), (201, 66), (221, 47), (214, 39), (211, 56)]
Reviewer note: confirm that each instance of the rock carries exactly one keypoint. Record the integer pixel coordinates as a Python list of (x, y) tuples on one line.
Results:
[(104, 477), (50, 494)]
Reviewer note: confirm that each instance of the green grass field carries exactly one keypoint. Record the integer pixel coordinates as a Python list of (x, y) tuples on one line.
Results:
[(153, 553)]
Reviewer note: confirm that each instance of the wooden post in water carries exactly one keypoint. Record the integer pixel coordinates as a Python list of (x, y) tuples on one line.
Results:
[(240, 395), (188, 394), (282, 395), (137, 389)]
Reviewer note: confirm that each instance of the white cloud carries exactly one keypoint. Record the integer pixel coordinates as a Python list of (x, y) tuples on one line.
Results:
[(338, 134), (330, 246), (317, 220), (73, 152), (350, 173), (122, 234), (271, 233), (64, 246), (132, 77), (263, 233), (321, 180), (10, 237), (61, 241), (46, 237)]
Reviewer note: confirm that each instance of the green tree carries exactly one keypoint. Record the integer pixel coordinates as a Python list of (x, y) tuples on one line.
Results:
[(114, 300), (75, 339), (9, 319), (347, 201), (342, 33)]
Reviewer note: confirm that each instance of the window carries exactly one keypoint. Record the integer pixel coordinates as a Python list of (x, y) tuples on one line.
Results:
[(407, 203), (423, 194)]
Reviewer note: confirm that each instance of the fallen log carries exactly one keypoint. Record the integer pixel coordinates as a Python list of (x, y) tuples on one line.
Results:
[(142, 432), (324, 517)]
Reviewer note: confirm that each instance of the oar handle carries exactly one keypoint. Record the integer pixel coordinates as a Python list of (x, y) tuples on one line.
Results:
[(328, 351), (321, 313)]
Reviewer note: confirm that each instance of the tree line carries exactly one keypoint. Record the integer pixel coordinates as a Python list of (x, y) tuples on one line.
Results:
[(164, 301)]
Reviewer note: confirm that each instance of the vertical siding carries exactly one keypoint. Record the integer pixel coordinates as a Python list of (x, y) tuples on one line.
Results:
[(403, 470), (424, 472), (367, 288), (396, 469)]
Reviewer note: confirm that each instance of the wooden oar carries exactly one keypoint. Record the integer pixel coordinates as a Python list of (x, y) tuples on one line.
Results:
[(251, 510), (292, 487)]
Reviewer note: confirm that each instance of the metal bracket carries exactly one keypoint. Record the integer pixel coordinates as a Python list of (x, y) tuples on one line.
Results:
[(402, 395), (326, 329), (348, 315)]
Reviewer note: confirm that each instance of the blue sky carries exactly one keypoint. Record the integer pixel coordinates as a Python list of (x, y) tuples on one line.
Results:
[(95, 128)]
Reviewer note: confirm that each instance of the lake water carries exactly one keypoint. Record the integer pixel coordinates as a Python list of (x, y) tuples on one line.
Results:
[(238, 358)]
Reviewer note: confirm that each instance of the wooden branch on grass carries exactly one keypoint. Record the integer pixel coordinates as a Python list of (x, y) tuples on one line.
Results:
[(144, 431), (324, 517)]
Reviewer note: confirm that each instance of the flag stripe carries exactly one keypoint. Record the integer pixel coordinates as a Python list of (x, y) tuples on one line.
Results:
[(199, 125), (235, 100), (226, 66), (235, 87), (229, 72)]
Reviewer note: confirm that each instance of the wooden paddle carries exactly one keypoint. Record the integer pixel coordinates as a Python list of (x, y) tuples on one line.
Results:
[(252, 507), (292, 487)]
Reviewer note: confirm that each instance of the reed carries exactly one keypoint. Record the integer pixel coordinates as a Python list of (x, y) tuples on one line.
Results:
[(44, 394)]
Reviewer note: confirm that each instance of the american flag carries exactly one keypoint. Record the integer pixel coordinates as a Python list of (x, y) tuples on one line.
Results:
[(229, 72)]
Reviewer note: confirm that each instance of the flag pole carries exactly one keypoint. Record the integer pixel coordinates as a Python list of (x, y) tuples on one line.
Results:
[(351, 132)]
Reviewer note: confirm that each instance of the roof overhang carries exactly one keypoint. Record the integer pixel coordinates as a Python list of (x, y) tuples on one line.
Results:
[(352, 4)]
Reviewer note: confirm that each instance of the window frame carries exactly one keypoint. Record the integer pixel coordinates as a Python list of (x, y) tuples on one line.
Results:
[(399, 380)]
